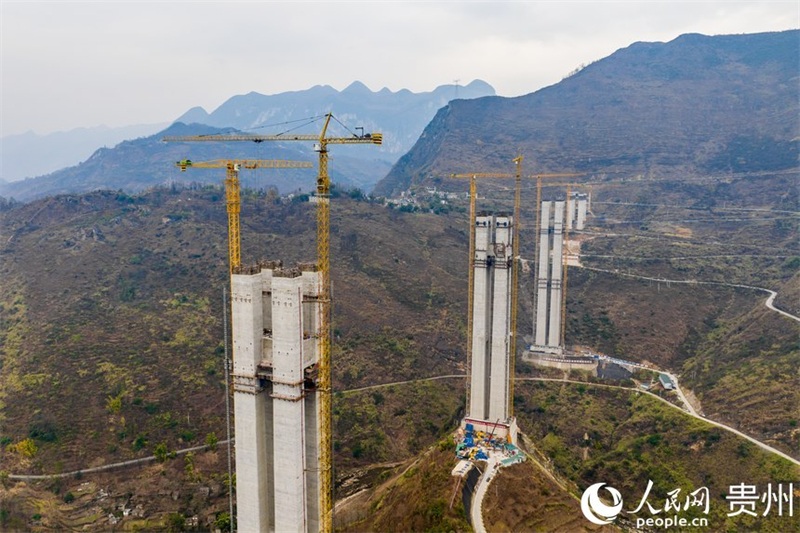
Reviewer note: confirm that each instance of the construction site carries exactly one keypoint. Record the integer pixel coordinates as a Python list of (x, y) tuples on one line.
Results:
[(280, 320), (281, 344), (281, 339), (487, 439), (401, 326)]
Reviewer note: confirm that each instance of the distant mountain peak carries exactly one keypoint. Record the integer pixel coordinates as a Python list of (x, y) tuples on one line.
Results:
[(194, 115), (479, 85), (400, 115), (356, 87)]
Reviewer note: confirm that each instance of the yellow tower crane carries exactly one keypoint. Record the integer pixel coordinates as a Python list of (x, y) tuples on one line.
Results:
[(473, 177), (233, 193), (323, 263)]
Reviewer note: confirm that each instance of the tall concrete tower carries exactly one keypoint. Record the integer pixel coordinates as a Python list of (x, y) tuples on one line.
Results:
[(582, 207), (547, 334), (481, 316), (542, 281), (571, 203), (554, 331), (550, 282), (491, 326), (577, 205), (500, 357), (275, 324)]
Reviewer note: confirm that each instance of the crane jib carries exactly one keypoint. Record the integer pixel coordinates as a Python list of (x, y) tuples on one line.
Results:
[(367, 138)]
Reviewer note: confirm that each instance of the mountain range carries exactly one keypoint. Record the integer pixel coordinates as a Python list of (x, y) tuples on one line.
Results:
[(695, 105), (112, 307), (142, 162), (30, 154), (401, 115)]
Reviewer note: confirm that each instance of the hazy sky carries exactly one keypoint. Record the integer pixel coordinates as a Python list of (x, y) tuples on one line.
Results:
[(80, 64)]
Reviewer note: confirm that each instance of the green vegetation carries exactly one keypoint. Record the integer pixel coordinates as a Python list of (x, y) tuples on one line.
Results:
[(415, 500), (26, 448), (162, 452), (114, 404), (223, 521), (211, 441), (175, 522), (89, 376), (139, 442), (633, 438), (43, 430), (384, 424)]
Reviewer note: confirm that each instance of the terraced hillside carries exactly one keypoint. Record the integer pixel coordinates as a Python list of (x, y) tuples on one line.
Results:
[(112, 329)]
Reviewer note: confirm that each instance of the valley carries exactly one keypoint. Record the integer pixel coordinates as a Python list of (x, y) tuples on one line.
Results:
[(150, 391), (115, 291)]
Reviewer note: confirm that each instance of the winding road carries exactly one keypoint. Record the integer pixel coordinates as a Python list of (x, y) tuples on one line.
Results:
[(688, 406), (688, 410), (769, 302), (476, 516)]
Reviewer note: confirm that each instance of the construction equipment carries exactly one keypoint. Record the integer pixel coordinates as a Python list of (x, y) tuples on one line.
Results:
[(514, 254), (323, 263), (473, 177), (233, 193)]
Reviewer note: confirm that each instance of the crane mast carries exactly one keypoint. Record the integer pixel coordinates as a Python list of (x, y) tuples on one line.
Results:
[(233, 197), (323, 264), (564, 261), (324, 379), (514, 280)]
